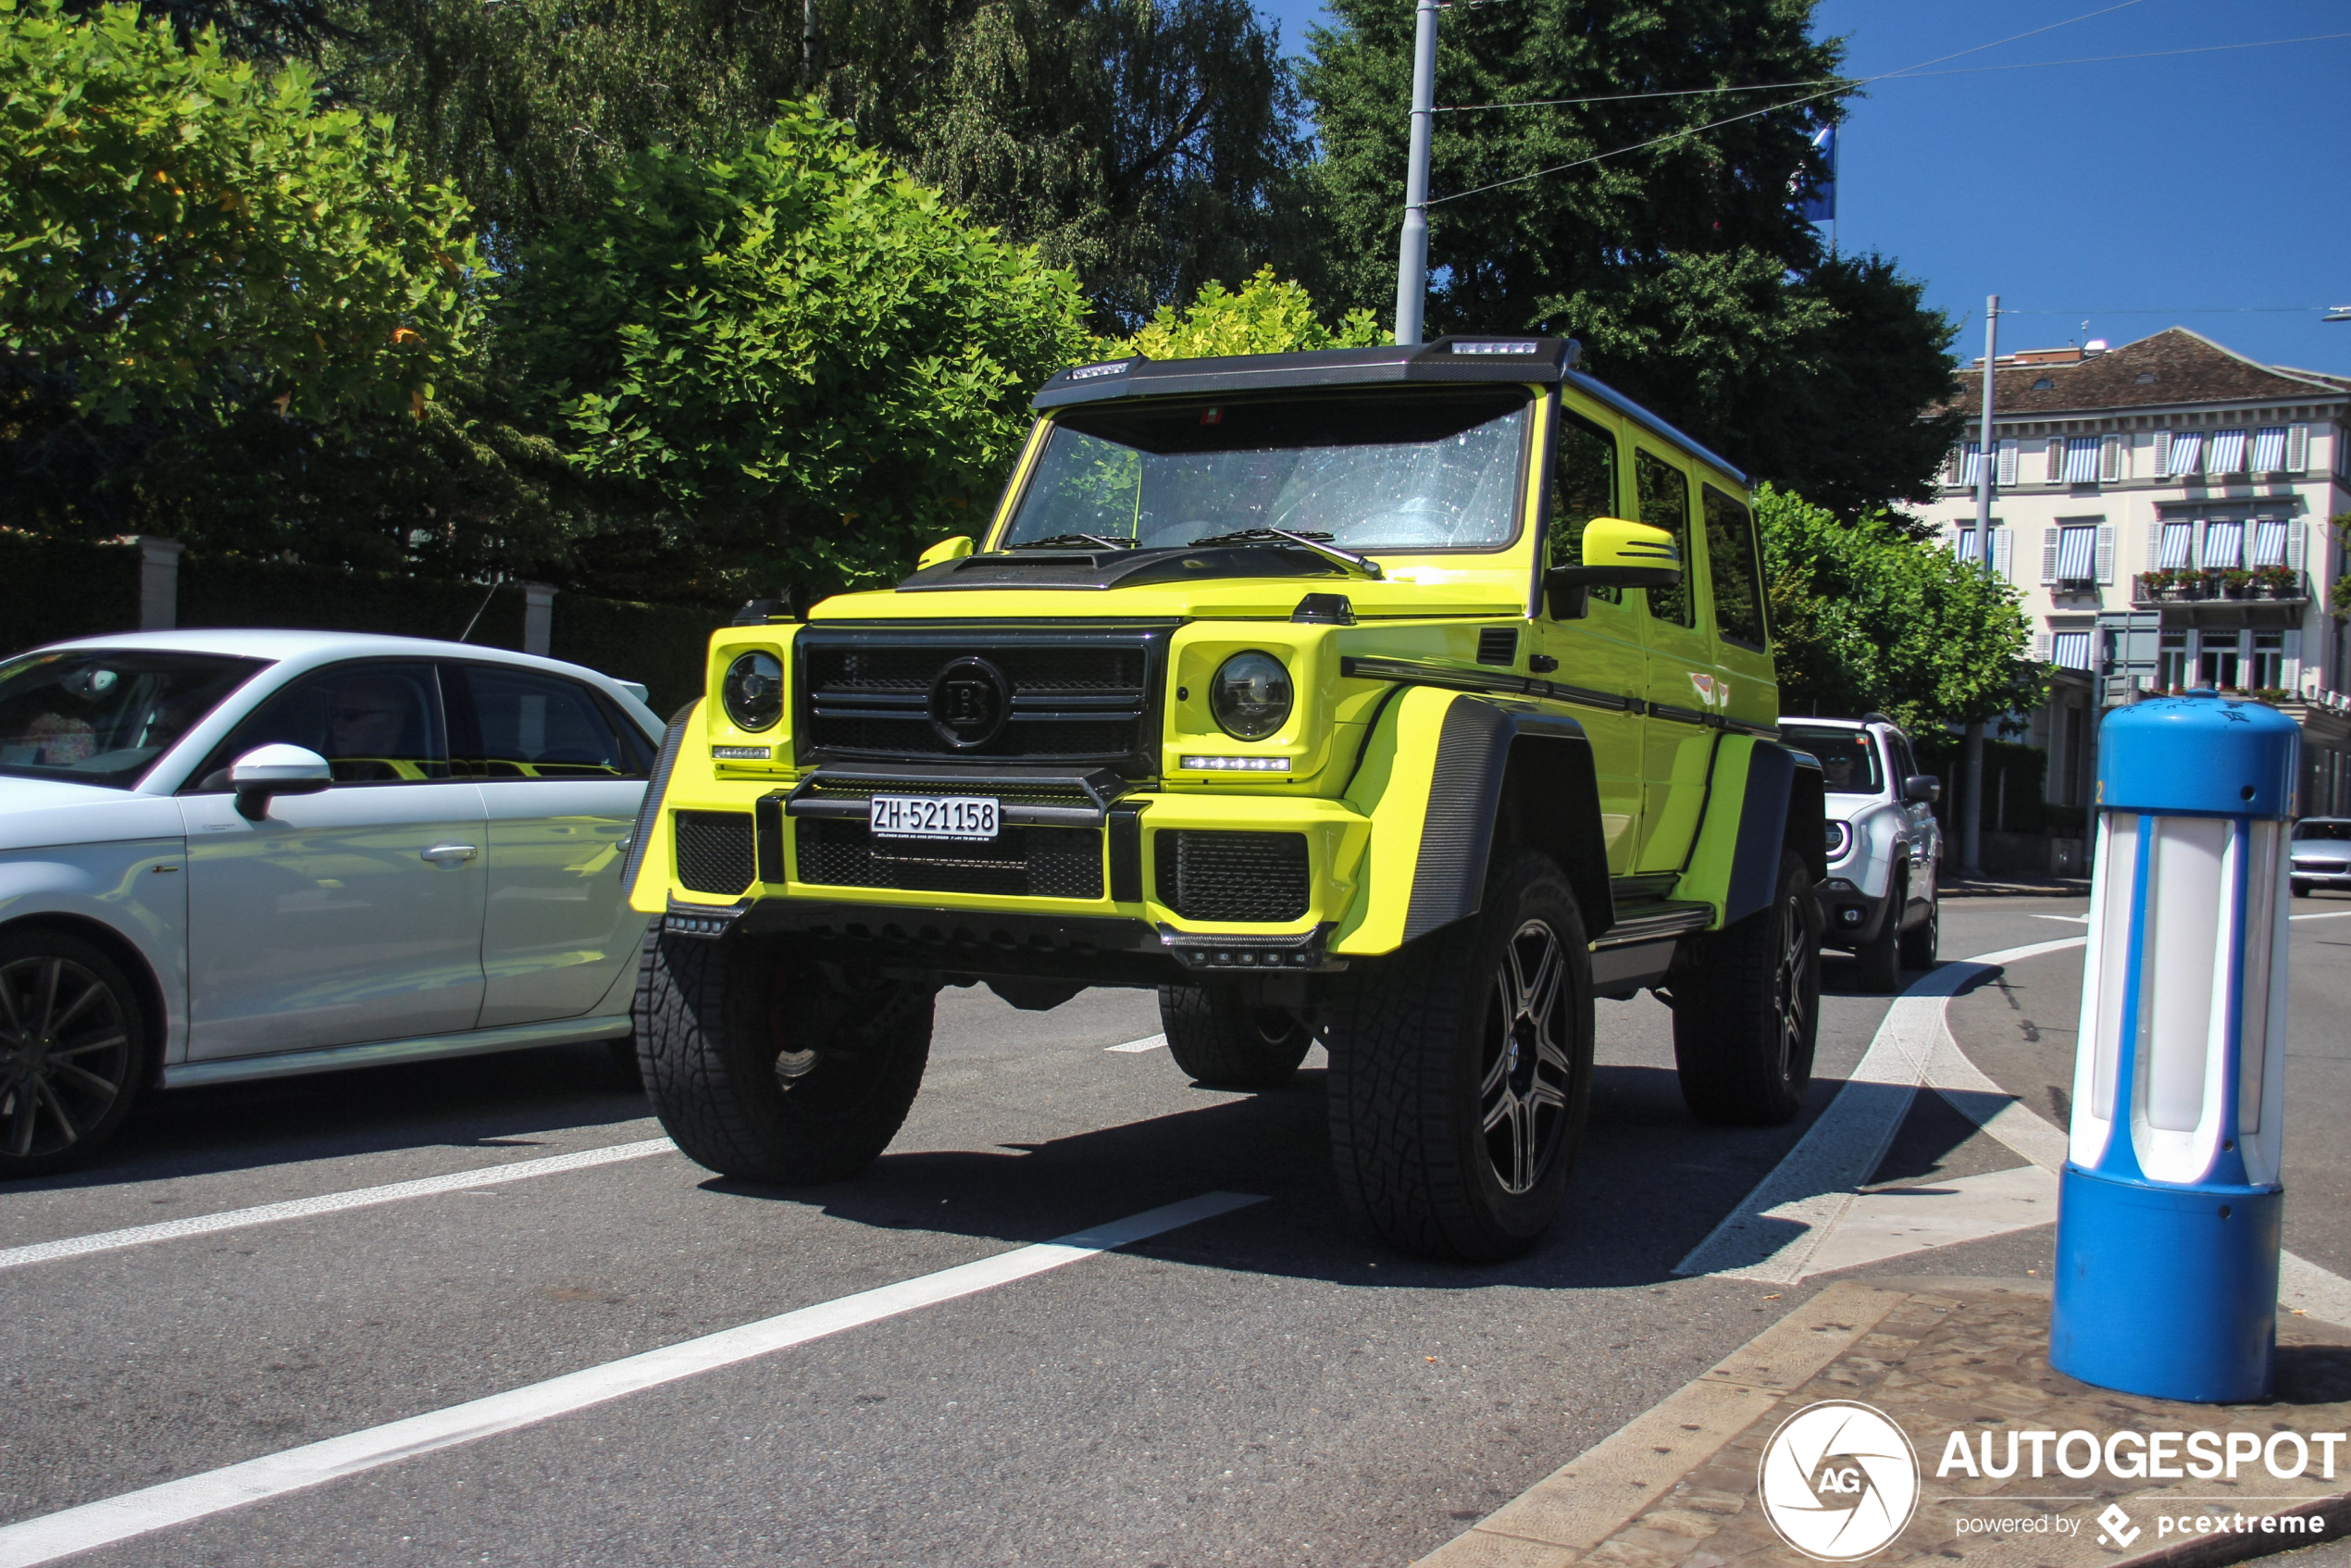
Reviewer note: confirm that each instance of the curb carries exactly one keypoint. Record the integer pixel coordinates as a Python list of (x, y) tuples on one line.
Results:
[(2211, 1551), (1605, 1488)]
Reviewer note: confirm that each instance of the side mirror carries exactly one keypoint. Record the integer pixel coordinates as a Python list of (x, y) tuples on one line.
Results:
[(1923, 788), (953, 549), (1617, 554), (276, 770)]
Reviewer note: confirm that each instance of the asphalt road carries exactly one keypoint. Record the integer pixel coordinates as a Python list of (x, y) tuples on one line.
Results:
[(1266, 1386)]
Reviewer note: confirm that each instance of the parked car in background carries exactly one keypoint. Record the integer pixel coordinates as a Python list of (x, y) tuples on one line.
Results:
[(238, 854), (1882, 899), (2321, 849)]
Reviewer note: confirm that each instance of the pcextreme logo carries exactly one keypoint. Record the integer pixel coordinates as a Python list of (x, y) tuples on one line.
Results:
[(1838, 1481)]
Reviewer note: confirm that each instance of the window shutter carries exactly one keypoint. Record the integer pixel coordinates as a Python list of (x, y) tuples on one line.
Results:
[(2162, 463), (2155, 544), (2006, 476), (2196, 544), (2290, 675), (2040, 647), (2000, 538), (2054, 474), (2110, 459), (2048, 554), (2106, 552), (2294, 535), (2297, 448)]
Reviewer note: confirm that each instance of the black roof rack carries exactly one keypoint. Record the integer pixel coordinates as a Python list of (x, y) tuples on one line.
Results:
[(1452, 358)]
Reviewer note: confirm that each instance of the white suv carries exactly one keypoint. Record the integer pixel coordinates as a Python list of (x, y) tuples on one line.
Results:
[(1881, 900), (235, 855)]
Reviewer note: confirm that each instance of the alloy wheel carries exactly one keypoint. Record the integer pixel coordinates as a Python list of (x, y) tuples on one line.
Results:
[(1788, 1008), (64, 1055), (1524, 1077)]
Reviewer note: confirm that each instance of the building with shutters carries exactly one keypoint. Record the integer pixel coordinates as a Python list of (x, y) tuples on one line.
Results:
[(2172, 513)]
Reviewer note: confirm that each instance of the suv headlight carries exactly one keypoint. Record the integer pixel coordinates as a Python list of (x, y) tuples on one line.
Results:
[(754, 690), (1251, 696), (1839, 836)]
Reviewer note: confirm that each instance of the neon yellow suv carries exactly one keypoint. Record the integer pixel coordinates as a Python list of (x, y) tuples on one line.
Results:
[(1405, 697)]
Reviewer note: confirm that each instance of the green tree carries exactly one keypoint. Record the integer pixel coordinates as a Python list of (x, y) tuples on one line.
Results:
[(1264, 315), (189, 243), (1864, 615), (800, 365), (1681, 265)]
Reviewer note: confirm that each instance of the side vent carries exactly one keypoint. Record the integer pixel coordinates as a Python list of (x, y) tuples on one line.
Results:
[(1498, 645)]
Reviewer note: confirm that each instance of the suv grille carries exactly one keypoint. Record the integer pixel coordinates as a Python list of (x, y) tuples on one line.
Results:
[(1246, 878), (715, 851), (1044, 862), (987, 694)]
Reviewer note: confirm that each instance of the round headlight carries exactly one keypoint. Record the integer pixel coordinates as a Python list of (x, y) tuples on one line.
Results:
[(1251, 696), (753, 692), (1840, 836)]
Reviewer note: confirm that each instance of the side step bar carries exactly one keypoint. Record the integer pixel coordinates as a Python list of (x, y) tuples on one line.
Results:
[(1640, 947)]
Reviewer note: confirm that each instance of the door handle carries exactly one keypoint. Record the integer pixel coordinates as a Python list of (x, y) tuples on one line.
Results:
[(441, 852)]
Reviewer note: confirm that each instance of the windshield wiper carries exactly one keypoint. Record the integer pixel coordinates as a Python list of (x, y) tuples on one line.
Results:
[(1317, 543), (1064, 540)]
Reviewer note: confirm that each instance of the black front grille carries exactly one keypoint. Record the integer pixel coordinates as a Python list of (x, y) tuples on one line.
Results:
[(1067, 697), (1045, 863), (715, 851), (1245, 878)]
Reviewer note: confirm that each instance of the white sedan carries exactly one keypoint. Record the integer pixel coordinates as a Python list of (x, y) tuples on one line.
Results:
[(237, 854)]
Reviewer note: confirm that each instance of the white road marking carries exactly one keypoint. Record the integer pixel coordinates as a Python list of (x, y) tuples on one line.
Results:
[(46, 1538), (331, 1202), (2328, 914), (2069, 919), (1771, 1234), (1893, 1221), (1138, 1046)]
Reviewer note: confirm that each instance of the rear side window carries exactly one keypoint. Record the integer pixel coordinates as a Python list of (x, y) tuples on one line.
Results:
[(374, 723), (1665, 504), (527, 724), (1730, 558)]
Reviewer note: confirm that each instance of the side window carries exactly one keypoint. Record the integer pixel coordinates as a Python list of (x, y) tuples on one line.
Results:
[(1665, 504), (531, 726), (1583, 487), (1729, 555), (374, 723)]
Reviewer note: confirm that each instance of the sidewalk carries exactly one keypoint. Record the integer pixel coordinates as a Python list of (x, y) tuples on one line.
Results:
[(1678, 1488)]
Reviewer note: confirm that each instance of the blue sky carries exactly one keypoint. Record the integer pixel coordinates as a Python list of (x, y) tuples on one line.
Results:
[(2171, 185)]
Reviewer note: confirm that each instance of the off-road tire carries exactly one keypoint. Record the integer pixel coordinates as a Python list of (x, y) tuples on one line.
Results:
[(726, 1030), (1877, 964), (1221, 1040), (1923, 943), (75, 1051), (1421, 1066), (1747, 1010)]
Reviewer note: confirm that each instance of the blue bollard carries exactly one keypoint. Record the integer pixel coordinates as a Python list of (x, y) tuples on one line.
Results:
[(2169, 1207)]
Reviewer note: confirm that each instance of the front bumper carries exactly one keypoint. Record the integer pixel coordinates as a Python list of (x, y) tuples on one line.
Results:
[(2326, 874), (1849, 916)]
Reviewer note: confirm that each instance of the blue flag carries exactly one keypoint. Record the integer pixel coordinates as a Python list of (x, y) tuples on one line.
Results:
[(1818, 205)]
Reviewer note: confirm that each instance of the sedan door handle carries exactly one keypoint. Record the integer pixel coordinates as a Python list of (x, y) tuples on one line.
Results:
[(448, 853)]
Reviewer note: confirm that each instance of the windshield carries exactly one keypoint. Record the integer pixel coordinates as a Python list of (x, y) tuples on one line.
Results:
[(1429, 470), (1848, 762), (103, 716), (2338, 830)]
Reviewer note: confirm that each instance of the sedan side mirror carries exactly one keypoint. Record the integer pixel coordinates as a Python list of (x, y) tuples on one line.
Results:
[(276, 770), (1617, 554), (1923, 788)]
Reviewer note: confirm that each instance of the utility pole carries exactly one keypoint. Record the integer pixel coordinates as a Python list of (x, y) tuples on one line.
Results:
[(807, 42), (1412, 246), (1987, 467)]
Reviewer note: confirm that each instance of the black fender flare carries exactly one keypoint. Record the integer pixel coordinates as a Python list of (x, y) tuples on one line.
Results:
[(1784, 793), (1486, 751), (640, 837)]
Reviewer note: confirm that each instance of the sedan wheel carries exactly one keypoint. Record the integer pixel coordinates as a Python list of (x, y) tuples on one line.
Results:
[(71, 1046)]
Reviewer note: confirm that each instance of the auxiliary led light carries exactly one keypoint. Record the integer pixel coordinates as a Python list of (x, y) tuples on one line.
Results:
[(742, 754), (1238, 764)]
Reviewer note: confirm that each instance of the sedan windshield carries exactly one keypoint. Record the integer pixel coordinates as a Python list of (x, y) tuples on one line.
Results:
[(1427, 470), (103, 716), (2324, 829), (1848, 762)]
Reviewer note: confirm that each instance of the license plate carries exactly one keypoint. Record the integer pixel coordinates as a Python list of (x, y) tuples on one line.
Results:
[(932, 817)]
